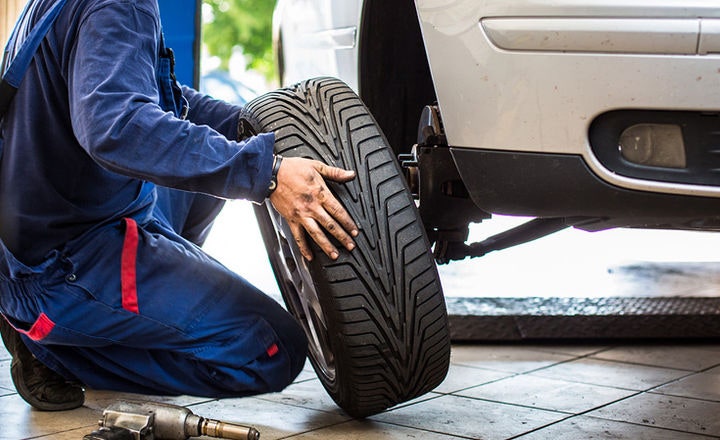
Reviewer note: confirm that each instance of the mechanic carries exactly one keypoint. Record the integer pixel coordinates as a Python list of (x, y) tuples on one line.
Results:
[(110, 177)]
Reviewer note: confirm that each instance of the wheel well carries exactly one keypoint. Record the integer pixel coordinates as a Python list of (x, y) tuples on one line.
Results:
[(394, 77)]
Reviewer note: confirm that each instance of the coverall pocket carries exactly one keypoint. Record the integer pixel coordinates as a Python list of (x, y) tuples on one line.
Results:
[(133, 273), (105, 269), (94, 274), (45, 331), (171, 97)]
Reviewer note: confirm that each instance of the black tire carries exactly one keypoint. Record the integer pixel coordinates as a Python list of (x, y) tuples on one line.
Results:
[(376, 317)]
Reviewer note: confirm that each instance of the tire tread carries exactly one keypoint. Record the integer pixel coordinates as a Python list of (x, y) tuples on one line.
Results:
[(384, 299)]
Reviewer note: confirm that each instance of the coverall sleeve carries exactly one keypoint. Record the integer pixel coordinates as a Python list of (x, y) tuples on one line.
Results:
[(117, 119), (205, 110)]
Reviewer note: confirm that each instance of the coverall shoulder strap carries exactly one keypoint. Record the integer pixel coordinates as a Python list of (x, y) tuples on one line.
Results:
[(17, 60)]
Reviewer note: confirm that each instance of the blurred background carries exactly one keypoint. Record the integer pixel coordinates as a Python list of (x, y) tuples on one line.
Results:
[(237, 50)]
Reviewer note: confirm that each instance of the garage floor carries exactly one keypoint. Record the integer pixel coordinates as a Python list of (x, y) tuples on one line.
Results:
[(618, 391)]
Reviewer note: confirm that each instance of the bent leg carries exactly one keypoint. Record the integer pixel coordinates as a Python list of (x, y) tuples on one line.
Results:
[(174, 322)]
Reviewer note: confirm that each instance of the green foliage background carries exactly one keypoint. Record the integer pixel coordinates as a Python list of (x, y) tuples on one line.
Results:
[(243, 23)]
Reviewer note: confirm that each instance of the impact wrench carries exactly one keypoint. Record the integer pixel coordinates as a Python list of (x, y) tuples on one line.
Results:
[(128, 420)]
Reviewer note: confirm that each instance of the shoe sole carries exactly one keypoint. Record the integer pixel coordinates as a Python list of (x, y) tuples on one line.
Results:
[(24, 392)]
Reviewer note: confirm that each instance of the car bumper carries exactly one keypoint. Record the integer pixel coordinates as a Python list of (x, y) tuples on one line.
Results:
[(532, 76)]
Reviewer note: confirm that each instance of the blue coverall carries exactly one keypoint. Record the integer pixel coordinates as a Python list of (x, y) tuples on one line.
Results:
[(105, 195)]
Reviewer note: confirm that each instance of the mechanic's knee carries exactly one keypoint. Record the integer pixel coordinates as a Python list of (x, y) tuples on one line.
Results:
[(291, 355), (272, 371)]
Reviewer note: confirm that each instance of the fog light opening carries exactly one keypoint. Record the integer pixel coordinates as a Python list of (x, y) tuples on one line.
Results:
[(655, 145)]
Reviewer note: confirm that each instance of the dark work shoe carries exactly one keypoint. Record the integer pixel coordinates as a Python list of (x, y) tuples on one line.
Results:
[(37, 384)]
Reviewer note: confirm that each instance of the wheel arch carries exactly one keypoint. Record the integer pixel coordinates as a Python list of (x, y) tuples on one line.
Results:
[(393, 72)]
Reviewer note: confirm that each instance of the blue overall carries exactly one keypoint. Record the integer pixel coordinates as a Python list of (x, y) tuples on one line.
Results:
[(106, 193)]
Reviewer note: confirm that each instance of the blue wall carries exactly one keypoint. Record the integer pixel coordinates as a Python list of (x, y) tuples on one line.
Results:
[(181, 23)]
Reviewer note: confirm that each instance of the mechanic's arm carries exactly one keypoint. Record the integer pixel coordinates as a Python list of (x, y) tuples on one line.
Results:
[(304, 200), (116, 118), (113, 94), (301, 196)]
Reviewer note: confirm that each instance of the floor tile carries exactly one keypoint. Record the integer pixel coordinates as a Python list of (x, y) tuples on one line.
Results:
[(5, 379), (550, 394), (274, 420), (705, 385), (311, 394), (99, 400), (460, 416), (368, 429), (611, 374), (510, 358), (708, 346), (306, 394), (73, 434), (307, 373), (419, 399), (27, 422), (681, 357), (569, 348), (582, 428), (683, 414), (460, 377)]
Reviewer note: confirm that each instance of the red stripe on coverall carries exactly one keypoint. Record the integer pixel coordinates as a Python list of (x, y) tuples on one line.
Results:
[(273, 350), (128, 275), (39, 330)]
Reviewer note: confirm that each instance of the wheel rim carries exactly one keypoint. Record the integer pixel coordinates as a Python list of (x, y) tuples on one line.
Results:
[(300, 295)]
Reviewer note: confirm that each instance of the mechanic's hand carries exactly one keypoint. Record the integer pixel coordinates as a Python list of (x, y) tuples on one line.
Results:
[(304, 200)]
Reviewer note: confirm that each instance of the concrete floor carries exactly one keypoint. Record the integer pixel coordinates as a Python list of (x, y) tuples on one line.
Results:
[(643, 391)]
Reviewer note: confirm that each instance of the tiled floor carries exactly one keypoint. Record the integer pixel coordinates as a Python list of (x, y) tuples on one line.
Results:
[(594, 391)]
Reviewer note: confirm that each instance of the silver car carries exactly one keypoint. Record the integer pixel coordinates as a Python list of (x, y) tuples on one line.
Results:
[(594, 114)]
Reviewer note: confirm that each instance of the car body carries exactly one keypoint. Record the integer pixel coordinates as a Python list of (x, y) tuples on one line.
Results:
[(587, 113)]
